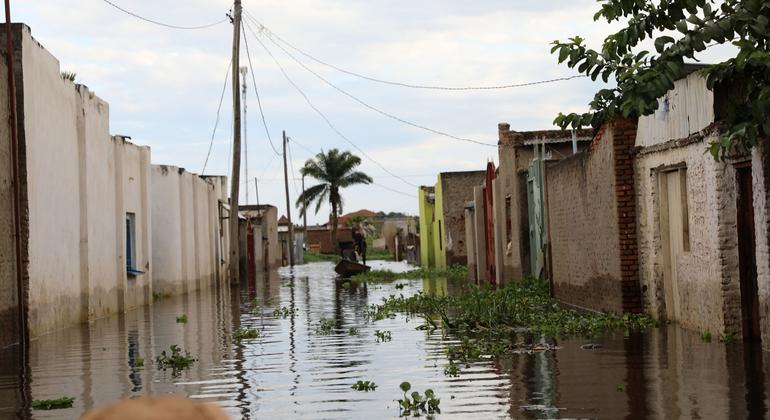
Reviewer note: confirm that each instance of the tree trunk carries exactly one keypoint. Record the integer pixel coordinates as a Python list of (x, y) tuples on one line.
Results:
[(334, 226)]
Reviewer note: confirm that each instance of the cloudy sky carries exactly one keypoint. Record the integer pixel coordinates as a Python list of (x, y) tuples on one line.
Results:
[(164, 85)]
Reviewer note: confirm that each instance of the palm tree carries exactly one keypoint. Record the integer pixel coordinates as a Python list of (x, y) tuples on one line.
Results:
[(335, 170)]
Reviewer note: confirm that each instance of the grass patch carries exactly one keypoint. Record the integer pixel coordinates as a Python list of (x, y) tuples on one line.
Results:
[(385, 276), (492, 322), (378, 254), (59, 403), (316, 257)]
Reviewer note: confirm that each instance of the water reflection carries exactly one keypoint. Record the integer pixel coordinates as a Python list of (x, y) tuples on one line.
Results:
[(292, 371)]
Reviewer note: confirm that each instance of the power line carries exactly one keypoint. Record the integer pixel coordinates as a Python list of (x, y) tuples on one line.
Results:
[(216, 122), (393, 190), (411, 85), (371, 107), (259, 101), (319, 112), (161, 23), (291, 165)]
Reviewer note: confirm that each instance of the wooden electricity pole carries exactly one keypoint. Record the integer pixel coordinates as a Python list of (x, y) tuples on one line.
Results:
[(288, 203), (235, 183)]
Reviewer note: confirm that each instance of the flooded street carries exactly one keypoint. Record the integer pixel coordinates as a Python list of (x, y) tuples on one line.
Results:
[(294, 370)]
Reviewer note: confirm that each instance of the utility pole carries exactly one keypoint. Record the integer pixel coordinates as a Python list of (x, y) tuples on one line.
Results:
[(288, 202), (304, 215), (235, 183), (244, 71), (256, 189)]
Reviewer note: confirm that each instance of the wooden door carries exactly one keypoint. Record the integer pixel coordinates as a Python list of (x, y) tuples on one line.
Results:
[(747, 264), (674, 234)]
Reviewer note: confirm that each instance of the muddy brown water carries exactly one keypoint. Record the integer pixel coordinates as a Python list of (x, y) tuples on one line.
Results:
[(294, 372)]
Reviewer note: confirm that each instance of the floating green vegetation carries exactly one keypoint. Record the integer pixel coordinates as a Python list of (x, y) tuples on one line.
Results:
[(452, 369), (382, 336), (727, 339), (706, 337), (244, 333), (284, 312), (400, 285), (59, 403), (364, 386), (181, 319), (325, 326), (176, 361), (316, 257), (353, 331), (416, 404), (139, 361), (156, 296), (490, 322), (382, 276), (377, 313)]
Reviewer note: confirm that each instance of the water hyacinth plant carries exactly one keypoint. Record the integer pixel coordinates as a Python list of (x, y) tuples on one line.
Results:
[(365, 386), (175, 360), (382, 336), (244, 333), (381, 276), (181, 319), (491, 322), (416, 404), (325, 326)]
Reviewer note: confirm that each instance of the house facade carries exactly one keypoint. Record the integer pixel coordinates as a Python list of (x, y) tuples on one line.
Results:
[(442, 218), (702, 223)]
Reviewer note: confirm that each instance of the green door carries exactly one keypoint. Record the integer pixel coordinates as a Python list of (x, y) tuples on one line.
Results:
[(536, 210)]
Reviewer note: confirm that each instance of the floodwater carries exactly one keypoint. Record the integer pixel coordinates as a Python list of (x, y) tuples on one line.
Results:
[(292, 371)]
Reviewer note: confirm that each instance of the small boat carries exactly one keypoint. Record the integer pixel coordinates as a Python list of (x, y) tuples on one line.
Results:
[(347, 268)]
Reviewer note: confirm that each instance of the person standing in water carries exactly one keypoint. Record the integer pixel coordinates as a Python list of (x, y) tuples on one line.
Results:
[(360, 241)]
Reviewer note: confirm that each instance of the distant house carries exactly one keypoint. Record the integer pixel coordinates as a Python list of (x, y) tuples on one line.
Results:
[(263, 245), (442, 218)]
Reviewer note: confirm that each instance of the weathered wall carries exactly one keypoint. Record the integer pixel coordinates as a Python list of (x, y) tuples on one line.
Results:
[(186, 239), (453, 190), (480, 240), (591, 223), (470, 236), (8, 292), (760, 163), (515, 152), (54, 237), (583, 226)]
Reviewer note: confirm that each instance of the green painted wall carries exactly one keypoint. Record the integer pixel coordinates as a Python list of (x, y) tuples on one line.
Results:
[(427, 211), (439, 227)]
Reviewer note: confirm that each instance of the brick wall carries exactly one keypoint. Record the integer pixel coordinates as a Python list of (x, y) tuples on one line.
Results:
[(592, 223), (456, 190)]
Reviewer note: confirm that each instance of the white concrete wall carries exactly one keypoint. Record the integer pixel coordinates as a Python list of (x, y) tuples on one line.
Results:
[(50, 136), (79, 182), (186, 232)]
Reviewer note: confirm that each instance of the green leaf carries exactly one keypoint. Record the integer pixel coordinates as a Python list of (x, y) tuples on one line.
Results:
[(405, 386), (660, 43)]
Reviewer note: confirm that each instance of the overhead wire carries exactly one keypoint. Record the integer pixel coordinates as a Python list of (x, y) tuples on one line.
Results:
[(319, 112), (366, 104), (291, 166), (167, 25), (417, 86), (216, 121), (259, 101)]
